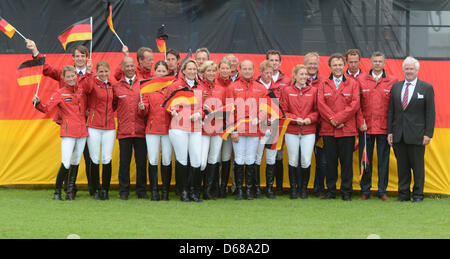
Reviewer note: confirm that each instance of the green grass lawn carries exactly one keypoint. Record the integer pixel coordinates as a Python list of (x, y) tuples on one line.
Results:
[(29, 213)]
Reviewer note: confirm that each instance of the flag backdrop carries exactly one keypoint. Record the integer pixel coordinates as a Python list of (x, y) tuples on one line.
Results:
[(30, 142)]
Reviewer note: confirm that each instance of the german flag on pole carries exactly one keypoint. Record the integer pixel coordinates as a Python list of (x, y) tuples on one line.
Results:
[(179, 97), (109, 20), (161, 38), (79, 31), (29, 72), (155, 84), (7, 28)]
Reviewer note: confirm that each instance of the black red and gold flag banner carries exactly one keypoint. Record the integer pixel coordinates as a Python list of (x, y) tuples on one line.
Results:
[(7, 28), (180, 97), (109, 19), (29, 72), (233, 126), (155, 84), (222, 112), (275, 140), (161, 38), (79, 31)]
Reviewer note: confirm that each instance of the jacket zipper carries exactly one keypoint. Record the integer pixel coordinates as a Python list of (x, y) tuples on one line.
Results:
[(106, 113)]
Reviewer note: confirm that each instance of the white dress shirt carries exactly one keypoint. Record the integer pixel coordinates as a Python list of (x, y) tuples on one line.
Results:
[(410, 89)]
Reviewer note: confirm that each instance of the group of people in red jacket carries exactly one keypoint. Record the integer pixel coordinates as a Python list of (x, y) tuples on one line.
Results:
[(326, 113)]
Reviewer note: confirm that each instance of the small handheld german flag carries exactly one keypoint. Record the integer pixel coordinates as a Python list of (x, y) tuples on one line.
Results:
[(29, 72), (161, 38), (7, 28), (183, 96), (79, 31), (155, 84)]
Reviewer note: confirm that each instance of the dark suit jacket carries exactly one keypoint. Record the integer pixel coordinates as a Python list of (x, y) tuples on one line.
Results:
[(417, 120)]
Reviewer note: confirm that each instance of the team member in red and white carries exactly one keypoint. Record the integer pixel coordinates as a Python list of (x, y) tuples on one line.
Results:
[(201, 56), (156, 135), (173, 61), (338, 100), (299, 102), (266, 70), (70, 101), (375, 92), (234, 63), (130, 130), (82, 64), (245, 95), (280, 81), (144, 66), (213, 98), (353, 58), (101, 127), (185, 133), (224, 80)]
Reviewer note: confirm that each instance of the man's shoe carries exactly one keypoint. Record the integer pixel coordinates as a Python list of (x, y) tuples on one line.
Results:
[(329, 196), (383, 197), (123, 197), (364, 197)]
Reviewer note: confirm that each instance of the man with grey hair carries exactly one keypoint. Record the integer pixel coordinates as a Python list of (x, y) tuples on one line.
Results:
[(375, 91), (410, 127)]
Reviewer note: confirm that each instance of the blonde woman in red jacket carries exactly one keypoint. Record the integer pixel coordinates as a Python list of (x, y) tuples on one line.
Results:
[(101, 127), (71, 103), (339, 103), (299, 102), (156, 135), (185, 133)]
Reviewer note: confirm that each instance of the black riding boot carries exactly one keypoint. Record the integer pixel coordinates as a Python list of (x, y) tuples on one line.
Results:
[(270, 175), (224, 179), (258, 194), (59, 182), (239, 179), (279, 176), (153, 178), (106, 181), (73, 173), (195, 184), (95, 180), (166, 176), (304, 184), (292, 182), (249, 180), (210, 172)]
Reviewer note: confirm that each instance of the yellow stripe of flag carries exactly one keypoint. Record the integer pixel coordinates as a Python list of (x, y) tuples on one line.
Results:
[(29, 80)]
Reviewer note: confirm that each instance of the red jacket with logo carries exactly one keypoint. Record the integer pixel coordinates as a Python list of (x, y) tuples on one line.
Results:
[(99, 103), (246, 95), (131, 123), (213, 97), (158, 119), (282, 81), (71, 104), (340, 105), (183, 121), (375, 102), (300, 103), (141, 73)]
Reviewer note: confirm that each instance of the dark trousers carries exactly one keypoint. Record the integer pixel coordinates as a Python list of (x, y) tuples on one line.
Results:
[(140, 156), (410, 157), (383, 150), (339, 149), (321, 169)]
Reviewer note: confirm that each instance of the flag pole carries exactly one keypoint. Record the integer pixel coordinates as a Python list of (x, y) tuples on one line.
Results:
[(36, 94), (92, 38), (119, 39), (20, 34)]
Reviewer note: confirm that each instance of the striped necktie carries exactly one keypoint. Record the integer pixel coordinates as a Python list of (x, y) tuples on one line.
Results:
[(405, 96)]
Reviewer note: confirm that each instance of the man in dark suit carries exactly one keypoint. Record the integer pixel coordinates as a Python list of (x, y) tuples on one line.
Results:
[(411, 119)]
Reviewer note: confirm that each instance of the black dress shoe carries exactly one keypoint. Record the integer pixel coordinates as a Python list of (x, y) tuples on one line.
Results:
[(417, 200), (346, 197), (329, 196), (143, 196), (123, 197), (402, 199)]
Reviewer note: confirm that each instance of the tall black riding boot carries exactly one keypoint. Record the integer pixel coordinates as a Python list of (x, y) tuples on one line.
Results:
[(224, 179), (279, 176), (258, 194), (166, 176), (73, 173), (209, 182), (183, 182), (95, 180), (270, 175), (249, 180), (305, 180), (239, 179), (59, 182), (153, 178), (196, 184), (292, 182), (106, 180)]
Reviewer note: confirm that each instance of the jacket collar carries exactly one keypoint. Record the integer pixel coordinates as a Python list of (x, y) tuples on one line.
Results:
[(343, 77)]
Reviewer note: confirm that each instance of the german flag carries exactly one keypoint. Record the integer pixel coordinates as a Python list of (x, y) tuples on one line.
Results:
[(161, 38), (79, 31), (109, 20), (30, 72), (179, 97), (7, 28), (155, 84), (233, 127)]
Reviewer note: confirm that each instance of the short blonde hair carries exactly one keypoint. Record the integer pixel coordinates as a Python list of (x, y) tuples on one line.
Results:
[(309, 55), (265, 65), (295, 71), (68, 69), (206, 65)]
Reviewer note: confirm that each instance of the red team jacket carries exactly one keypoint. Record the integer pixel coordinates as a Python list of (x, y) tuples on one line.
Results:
[(341, 105), (131, 123), (158, 119), (71, 103), (302, 103), (213, 96)]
